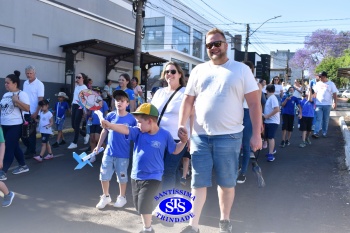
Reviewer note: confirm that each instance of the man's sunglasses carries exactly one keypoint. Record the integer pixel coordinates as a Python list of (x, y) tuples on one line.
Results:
[(215, 44), (170, 71), (77, 77)]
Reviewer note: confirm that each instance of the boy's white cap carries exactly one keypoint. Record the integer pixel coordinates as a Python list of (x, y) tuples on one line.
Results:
[(62, 94)]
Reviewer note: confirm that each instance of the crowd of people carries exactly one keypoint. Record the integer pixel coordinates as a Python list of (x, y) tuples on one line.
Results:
[(211, 114)]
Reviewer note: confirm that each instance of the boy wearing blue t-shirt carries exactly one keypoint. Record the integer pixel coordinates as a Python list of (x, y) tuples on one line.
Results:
[(117, 153), (288, 111), (308, 106), (60, 115), (150, 143)]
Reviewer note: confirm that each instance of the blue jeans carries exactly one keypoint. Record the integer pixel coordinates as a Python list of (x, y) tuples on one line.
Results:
[(220, 152), (12, 134), (247, 134), (171, 167), (322, 118)]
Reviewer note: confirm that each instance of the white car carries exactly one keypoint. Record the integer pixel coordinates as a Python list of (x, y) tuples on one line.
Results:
[(346, 94)]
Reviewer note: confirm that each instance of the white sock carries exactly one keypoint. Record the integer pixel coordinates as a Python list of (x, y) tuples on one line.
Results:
[(147, 229)]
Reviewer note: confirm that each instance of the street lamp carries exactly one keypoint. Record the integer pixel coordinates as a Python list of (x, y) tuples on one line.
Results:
[(250, 34)]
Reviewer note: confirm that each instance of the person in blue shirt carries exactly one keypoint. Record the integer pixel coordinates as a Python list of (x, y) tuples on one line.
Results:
[(150, 143), (288, 111), (125, 85), (60, 115), (95, 125), (308, 106), (117, 153)]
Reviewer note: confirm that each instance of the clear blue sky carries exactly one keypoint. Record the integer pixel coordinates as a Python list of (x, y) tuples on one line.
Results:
[(289, 34)]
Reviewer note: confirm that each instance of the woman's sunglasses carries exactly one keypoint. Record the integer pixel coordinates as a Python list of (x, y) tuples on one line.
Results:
[(77, 77), (170, 71), (215, 44)]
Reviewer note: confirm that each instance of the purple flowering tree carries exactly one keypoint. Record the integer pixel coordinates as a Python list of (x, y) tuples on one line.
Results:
[(320, 44)]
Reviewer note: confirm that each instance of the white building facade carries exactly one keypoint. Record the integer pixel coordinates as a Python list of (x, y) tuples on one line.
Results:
[(175, 32), (279, 65), (32, 31)]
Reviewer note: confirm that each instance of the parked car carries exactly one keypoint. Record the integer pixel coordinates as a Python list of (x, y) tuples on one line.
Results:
[(340, 92), (345, 94)]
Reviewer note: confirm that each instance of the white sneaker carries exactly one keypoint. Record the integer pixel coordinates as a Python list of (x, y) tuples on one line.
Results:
[(72, 146), (103, 201), (92, 159), (121, 201), (86, 139)]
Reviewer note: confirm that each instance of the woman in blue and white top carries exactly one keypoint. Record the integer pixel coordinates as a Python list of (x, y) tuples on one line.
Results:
[(125, 85), (13, 104)]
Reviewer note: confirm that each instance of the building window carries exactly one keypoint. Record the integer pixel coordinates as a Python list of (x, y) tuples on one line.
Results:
[(184, 65), (154, 33), (181, 36), (197, 44)]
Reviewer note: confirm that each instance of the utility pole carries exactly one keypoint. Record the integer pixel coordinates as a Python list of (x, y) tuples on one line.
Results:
[(250, 34), (138, 8), (287, 69), (246, 44)]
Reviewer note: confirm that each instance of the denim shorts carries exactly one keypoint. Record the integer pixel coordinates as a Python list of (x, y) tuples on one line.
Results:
[(110, 164), (218, 155), (60, 124)]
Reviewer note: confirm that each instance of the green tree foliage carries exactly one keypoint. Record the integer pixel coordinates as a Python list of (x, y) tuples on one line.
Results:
[(331, 66)]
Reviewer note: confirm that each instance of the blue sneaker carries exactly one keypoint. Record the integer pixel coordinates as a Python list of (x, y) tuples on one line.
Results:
[(20, 169), (8, 199), (3, 175), (270, 157), (274, 151)]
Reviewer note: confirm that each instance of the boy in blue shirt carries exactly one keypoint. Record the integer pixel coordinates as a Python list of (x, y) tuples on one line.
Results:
[(288, 111), (308, 105), (148, 157), (60, 115), (117, 153)]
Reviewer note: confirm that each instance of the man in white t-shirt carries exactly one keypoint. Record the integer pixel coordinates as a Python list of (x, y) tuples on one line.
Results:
[(217, 89), (326, 97), (35, 91)]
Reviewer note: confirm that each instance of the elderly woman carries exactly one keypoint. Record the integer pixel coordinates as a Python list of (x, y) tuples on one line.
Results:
[(168, 109), (13, 104)]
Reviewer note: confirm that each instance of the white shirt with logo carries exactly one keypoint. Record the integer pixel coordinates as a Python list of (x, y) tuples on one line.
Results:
[(10, 114), (324, 92)]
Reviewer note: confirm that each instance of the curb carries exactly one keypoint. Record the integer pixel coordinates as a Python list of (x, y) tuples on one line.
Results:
[(346, 135)]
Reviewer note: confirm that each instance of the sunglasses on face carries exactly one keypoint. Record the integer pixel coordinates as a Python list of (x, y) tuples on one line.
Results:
[(170, 71), (215, 44), (78, 77)]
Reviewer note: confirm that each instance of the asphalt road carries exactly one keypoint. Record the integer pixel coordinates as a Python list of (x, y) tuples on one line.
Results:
[(307, 190)]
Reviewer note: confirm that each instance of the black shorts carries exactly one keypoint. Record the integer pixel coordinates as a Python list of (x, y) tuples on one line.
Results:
[(270, 130), (306, 124), (143, 192), (187, 153), (95, 129), (45, 137), (287, 122)]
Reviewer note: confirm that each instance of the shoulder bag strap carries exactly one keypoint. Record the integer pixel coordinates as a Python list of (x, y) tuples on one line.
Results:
[(21, 109), (163, 110)]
